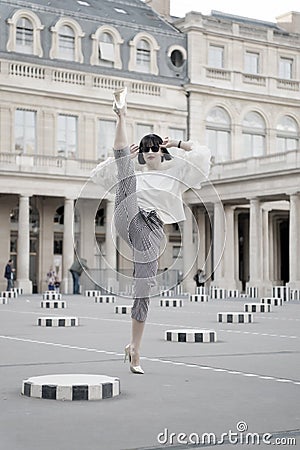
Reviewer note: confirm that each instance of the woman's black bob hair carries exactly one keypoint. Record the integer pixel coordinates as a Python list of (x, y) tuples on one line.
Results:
[(152, 140)]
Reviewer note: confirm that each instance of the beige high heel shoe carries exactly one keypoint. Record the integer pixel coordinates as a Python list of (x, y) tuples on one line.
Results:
[(119, 100), (134, 369)]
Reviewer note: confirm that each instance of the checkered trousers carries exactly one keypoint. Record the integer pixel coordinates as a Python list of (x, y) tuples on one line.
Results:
[(142, 230)]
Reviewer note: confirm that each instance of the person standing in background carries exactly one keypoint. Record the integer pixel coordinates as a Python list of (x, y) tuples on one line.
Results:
[(9, 274), (76, 270)]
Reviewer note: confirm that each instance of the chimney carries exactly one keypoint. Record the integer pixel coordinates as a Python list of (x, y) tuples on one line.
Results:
[(289, 21), (162, 7)]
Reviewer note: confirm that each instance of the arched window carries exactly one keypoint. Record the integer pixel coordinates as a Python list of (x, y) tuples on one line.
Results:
[(66, 40), (25, 33), (254, 135), (106, 47), (66, 43), (143, 54), (218, 134), (287, 134)]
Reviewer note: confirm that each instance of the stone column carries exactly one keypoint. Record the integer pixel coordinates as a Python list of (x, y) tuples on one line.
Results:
[(23, 246), (266, 253), (255, 245), (5, 208), (68, 246), (294, 246), (228, 260), (201, 260), (189, 253), (218, 244)]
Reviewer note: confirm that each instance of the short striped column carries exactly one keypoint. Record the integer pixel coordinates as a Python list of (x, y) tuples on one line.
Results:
[(201, 290), (93, 293), (233, 293), (199, 298), (18, 290), (71, 387), (218, 293), (105, 299), (51, 295), (58, 321), (252, 291), (183, 335), (171, 302), (53, 304), (123, 309), (295, 294), (4, 301), (9, 294), (257, 307), (282, 292), (235, 317), (244, 295), (273, 301), (169, 293)]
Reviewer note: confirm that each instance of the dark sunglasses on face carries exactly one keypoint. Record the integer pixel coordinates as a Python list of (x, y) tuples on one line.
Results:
[(154, 148)]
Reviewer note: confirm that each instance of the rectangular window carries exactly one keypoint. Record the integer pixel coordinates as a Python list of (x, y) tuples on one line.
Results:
[(218, 142), (286, 68), (252, 63), (177, 133), (105, 137), (67, 136), (25, 131), (142, 130), (216, 56)]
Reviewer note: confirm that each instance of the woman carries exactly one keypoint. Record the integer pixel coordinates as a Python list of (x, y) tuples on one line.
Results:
[(145, 202)]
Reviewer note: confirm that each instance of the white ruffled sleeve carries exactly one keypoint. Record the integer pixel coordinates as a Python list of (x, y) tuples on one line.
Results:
[(193, 166), (105, 174)]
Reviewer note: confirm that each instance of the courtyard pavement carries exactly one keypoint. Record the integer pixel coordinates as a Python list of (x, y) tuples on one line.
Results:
[(245, 387)]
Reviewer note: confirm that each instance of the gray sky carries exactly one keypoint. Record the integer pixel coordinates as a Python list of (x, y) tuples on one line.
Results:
[(264, 11)]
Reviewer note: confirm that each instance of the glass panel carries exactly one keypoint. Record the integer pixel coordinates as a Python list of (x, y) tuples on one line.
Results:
[(143, 56), (288, 124), (106, 132), (24, 36), (252, 62), (258, 145), (142, 130), (216, 56), (25, 131), (67, 136), (247, 147), (66, 43), (286, 68), (218, 116), (177, 133), (254, 120)]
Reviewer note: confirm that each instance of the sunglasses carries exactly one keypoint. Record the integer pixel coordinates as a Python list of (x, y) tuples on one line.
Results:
[(154, 148)]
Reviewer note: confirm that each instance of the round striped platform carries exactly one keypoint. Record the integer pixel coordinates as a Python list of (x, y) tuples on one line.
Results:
[(257, 307), (53, 304), (9, 294), (4, 300), (71, 387), (274, 301), (183, 335), (235, 317), (58, 321)]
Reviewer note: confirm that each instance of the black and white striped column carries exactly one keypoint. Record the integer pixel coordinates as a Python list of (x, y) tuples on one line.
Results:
[(171, 302), (123, 309), (235, 317), (58, 321), (72, 387), (183, 335), (53, 304), (4, 301), (199, 298), (105, 299), (273, 301), (257, 307), (51, 295)]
